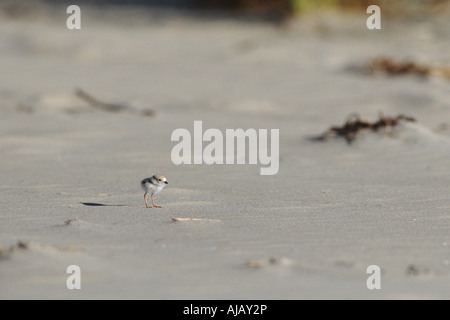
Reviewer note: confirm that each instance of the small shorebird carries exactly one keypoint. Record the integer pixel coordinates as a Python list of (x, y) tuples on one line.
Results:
[(153, 185)]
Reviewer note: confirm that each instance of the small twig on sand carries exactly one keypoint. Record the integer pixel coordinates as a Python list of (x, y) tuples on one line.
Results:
[(98, 104), (110, 107), (194, 219)]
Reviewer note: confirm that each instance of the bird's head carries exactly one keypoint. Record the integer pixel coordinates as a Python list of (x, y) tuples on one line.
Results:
[(160, 179)]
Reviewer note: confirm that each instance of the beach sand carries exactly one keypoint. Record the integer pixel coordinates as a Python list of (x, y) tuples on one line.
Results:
[(70, 172)]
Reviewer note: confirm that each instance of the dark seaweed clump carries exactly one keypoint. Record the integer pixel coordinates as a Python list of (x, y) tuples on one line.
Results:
[(350, 129)]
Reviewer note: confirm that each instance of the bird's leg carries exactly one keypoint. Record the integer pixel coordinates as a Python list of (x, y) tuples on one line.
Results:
[(154, 205), (145, 199)]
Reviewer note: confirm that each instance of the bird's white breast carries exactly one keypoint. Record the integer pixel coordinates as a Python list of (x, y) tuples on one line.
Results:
[(157, 189), (152, 188)]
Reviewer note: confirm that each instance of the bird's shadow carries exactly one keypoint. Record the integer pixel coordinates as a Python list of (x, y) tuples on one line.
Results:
[(94, 204)]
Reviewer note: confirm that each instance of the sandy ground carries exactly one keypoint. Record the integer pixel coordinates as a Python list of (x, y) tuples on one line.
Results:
[(70, 173)]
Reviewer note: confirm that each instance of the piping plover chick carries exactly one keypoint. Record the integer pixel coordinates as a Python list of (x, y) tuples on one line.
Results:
[(153, 185)]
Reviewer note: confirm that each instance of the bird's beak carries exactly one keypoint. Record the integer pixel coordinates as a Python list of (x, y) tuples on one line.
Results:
[(166, 182)]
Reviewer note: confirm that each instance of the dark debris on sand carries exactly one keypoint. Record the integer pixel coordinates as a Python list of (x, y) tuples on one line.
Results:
[(394, 67), (109, 107), (5, 254), (350, 129)]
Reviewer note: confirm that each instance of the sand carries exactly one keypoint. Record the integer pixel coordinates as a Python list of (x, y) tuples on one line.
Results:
[(70, 172)]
